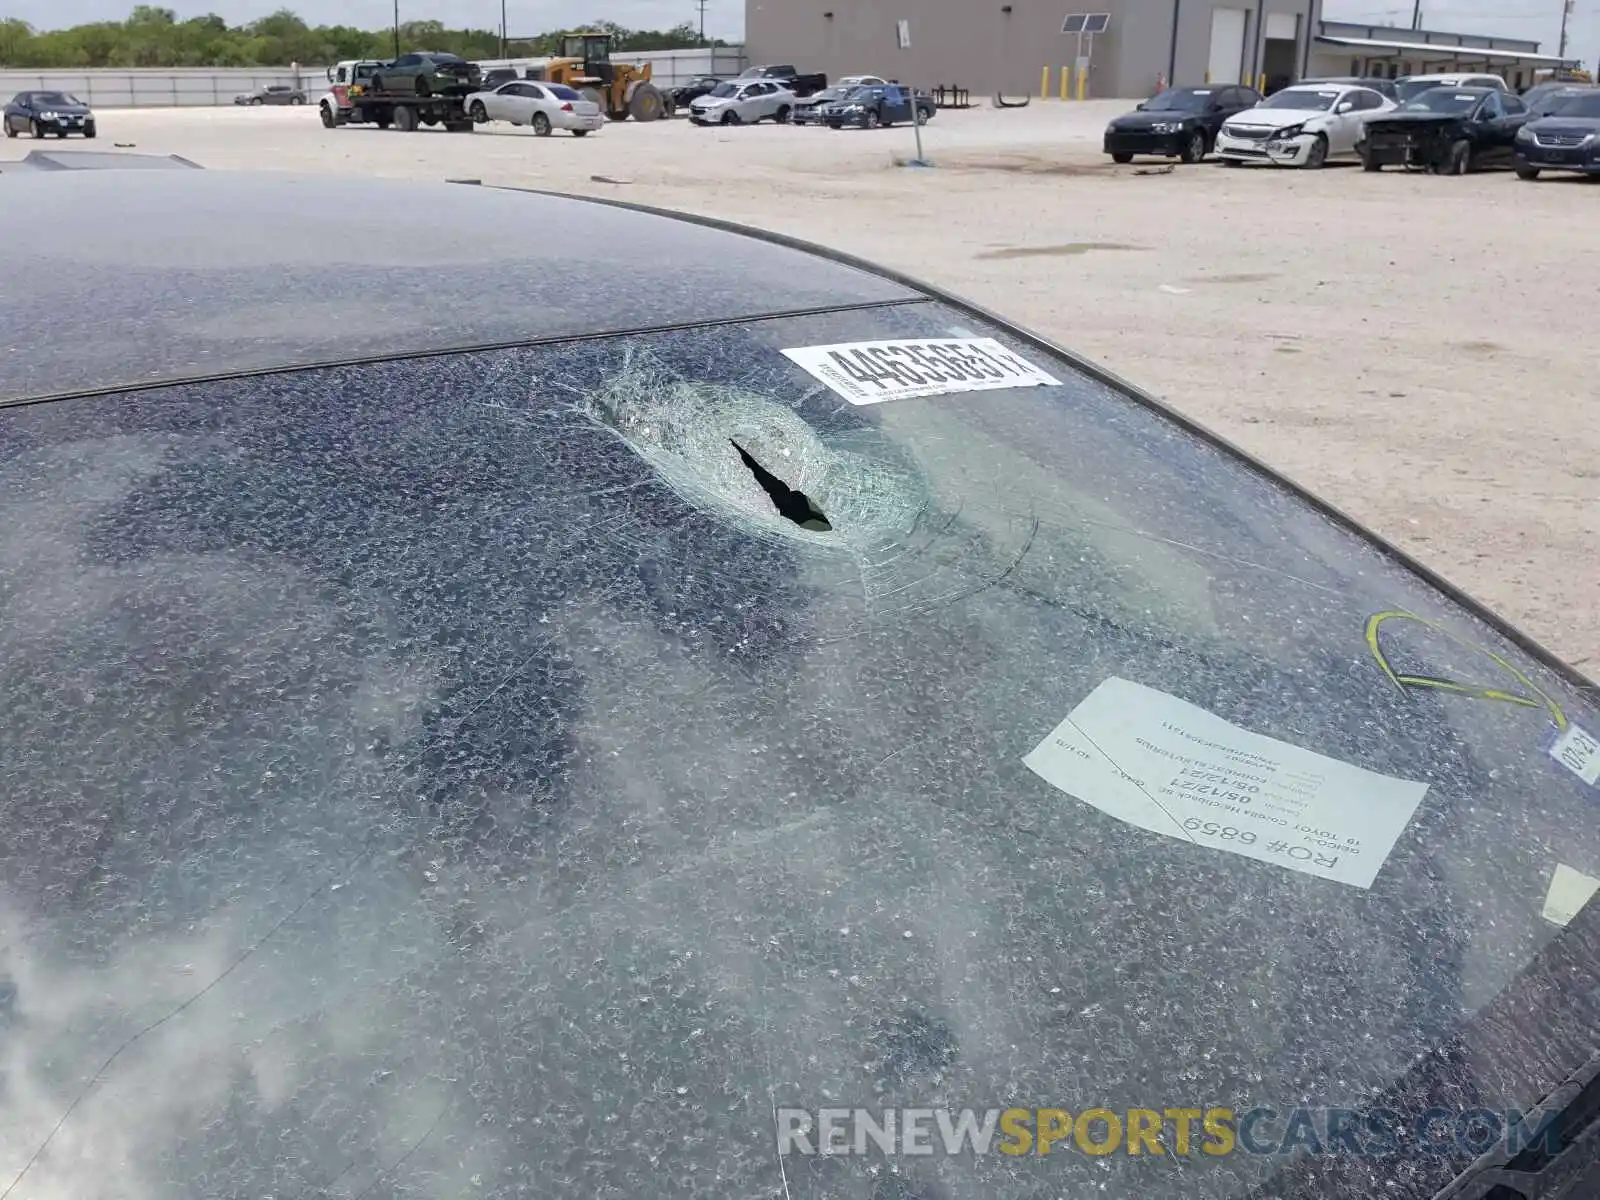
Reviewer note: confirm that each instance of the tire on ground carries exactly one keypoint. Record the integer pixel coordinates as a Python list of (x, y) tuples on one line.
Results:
[(645, 102)]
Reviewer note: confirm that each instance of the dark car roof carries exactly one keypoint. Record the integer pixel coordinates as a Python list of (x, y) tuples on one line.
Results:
[(321, 269)]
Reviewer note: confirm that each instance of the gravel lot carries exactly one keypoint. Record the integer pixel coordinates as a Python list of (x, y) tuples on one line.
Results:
[(1414, 349)]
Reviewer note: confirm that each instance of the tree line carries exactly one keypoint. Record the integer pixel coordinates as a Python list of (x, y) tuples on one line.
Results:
[(154, 37)]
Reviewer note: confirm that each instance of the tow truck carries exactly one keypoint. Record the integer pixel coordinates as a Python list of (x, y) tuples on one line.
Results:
[(352, 100)]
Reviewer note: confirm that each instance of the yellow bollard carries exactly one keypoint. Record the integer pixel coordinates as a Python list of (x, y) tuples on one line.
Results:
[(1083, 84), (1066, 75), (1044, 83), (1261, 83)]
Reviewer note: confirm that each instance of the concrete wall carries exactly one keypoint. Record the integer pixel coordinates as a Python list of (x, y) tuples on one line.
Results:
[(955, 43), (975, 44), (159, 87)]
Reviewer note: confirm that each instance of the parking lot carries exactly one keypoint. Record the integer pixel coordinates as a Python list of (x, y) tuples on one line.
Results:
[(1413, 348)]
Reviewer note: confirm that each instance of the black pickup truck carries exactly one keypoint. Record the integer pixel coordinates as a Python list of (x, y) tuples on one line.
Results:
[(785, 73)]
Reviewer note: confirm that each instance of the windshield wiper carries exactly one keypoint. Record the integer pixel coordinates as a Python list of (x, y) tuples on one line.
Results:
[(1563, 1164)]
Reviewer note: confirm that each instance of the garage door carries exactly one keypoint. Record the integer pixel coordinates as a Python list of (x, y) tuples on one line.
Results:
[(1227, 45), (1283, 27)]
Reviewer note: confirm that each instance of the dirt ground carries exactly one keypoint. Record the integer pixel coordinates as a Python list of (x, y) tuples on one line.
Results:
[(1414, 349)]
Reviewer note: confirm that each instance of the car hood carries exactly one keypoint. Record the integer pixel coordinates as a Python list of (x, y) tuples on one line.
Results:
[(1144, 120), (1276, 118), (709, 101), (1557, 124), (71, 110), (1416, 118)]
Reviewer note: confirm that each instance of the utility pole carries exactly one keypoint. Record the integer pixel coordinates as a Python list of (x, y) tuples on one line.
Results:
[(397, 28), (1566, 11), (701, 5), (1416, 15)]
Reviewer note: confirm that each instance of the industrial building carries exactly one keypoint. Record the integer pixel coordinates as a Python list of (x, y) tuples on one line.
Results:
[(1103, 47)]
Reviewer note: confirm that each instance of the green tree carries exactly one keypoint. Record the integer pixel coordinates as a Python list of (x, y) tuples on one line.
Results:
[(153, 36)]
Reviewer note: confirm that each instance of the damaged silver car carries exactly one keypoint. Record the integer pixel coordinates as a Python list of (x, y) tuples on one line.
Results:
[(476, 750)]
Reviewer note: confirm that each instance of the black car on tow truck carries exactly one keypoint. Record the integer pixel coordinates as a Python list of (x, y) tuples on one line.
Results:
[(1177, 123), (1446, 130)]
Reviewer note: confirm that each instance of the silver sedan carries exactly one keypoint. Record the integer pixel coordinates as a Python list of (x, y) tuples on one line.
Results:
[(542, 106), (744, 102)]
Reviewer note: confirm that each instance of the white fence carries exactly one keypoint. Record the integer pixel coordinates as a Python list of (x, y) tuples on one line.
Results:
[(160, 87), (157, 87)]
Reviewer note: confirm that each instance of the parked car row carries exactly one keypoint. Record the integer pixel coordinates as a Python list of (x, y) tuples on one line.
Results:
[(866, 102), (1447, 124)]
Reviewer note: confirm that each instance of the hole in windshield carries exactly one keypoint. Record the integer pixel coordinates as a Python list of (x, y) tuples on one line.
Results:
[(795, 505)]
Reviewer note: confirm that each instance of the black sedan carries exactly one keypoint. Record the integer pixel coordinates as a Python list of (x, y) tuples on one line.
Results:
[(1568, 139), (41, 113), (502, 759), (700, 85), (1447, 130), (1177, 123)]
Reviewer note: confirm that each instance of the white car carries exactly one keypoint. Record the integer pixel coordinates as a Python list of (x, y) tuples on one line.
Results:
[(542, 106), (854, 81), (1409, 87), (743, 102), (1300, 126)]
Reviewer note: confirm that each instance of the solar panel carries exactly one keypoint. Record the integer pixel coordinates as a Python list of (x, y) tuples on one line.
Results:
[(1074, 23), (1096, 22)]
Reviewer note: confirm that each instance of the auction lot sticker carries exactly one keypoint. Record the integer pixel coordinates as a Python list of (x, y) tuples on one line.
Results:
[(872, 372), (1173, 768)]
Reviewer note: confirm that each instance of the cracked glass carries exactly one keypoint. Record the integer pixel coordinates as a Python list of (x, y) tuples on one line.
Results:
[(519, 773)]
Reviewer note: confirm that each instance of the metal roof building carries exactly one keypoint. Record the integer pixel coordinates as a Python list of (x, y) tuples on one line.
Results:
[(1347, 48), (1023, 47)]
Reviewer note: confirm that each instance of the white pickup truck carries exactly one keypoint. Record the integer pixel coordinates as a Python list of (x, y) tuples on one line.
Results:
[(335, 104)]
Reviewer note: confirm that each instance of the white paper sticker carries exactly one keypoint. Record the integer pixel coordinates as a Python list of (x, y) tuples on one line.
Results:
[(873, 372), (1569, 891), (1173, 768), (1579, 752)]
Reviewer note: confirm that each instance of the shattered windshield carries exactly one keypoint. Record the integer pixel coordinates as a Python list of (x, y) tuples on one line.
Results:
[(540, 772), (1410, 89), (1578, 104), (1443, 101)]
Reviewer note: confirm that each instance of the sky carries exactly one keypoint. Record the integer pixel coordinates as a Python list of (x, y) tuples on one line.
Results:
[(1536, 19)]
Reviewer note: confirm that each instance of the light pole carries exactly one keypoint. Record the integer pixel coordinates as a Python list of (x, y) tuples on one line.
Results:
[(397, 28), (502, 28)]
